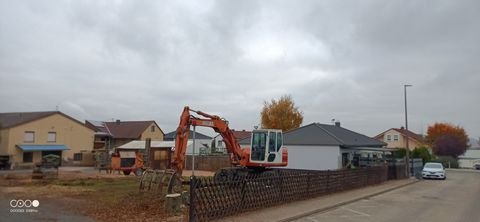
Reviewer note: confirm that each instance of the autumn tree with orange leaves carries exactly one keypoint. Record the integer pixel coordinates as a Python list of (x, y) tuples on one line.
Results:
[(447, 140), (281, 114)]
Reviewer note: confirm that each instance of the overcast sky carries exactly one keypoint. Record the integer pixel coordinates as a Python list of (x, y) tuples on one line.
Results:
[(343, 60)]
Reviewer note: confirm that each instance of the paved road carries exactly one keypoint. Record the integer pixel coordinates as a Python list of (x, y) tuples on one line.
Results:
[(455, 199)]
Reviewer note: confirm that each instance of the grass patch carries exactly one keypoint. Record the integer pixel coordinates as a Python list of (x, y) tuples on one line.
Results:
[(104, 190)]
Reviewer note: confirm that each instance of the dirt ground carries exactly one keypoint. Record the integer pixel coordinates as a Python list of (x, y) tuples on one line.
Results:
[(94, 195)]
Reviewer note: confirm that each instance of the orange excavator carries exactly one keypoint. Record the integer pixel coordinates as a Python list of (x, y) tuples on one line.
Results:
[(266, 149), (266, 144)]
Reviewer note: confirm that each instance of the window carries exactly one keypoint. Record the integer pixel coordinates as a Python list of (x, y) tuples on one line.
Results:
[(259, 140), (29, 137), (27, 157), (279, 141), (77, 157), (152, 128), (271, 141), (395, 137), (389, 137), (220, 143), (52, 137)]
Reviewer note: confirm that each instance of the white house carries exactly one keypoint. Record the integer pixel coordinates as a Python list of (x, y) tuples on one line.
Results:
[(469, 158), (202, 142), (471, 155), (328, 147), (238, 134)]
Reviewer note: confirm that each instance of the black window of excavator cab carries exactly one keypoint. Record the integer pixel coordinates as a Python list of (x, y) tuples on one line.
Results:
[(259, 143), (279, 141), (271, 141)]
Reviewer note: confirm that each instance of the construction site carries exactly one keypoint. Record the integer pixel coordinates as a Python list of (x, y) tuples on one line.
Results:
[(127, 184)]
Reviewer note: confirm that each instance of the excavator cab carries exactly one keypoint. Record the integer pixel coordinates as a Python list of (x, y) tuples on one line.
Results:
[(267, 147)]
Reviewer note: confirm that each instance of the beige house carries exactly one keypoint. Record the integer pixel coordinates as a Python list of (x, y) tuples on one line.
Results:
[(109, 135), (396, 138), (26, 137)]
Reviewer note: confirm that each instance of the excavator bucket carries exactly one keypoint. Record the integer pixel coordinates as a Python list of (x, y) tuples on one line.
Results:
[(160, 182)]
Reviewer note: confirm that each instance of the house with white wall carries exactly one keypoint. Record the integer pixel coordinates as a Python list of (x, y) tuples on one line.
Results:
[(219, 145), (202, 142), (471, 155), (328, 147)]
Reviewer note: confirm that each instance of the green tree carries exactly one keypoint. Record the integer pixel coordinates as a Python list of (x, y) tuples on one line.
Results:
[(399, 153), (422, 152), (281, 114)]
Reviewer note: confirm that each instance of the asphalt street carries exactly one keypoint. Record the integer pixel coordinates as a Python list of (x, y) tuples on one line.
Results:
[(455, 199)]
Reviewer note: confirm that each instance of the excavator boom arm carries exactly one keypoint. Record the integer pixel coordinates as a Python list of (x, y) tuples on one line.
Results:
[(219, 125)]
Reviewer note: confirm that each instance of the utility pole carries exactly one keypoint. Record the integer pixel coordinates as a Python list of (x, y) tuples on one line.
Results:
[(407, 149)]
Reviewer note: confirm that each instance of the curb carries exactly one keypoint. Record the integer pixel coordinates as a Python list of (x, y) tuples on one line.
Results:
[(296, 217)]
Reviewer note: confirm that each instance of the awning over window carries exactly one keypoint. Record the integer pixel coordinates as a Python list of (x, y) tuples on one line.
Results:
[(49, 147)]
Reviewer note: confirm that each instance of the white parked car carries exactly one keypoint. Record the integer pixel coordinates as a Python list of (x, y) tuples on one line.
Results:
[(434, 171)]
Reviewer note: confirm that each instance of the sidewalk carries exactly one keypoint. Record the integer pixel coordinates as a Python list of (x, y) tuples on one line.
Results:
[(298, 209)]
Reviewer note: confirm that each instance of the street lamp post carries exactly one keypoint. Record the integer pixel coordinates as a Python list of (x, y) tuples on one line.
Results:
[(407, 149)]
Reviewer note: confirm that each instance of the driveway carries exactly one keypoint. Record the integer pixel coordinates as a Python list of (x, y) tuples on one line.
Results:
[(455, 199)]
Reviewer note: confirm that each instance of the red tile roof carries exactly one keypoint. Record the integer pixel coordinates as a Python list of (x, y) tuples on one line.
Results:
[(410, 134), (403, 131), (127, 129)]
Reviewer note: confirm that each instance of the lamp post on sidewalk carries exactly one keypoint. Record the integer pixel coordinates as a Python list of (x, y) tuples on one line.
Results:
[(407, 149)]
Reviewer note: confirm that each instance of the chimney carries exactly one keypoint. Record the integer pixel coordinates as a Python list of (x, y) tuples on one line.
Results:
[(337, 123), (118, 122), (402, 128)]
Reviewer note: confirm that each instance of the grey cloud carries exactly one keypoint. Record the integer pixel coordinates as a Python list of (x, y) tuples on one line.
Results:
[(146, 60)]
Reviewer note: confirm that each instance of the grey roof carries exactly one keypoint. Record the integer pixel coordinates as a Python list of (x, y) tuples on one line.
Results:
[(327, 135), (96, 123), (8, 120), (171, 136)]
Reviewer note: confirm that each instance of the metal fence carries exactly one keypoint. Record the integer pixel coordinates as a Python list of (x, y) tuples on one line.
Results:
[(210, 199), (416, 166)]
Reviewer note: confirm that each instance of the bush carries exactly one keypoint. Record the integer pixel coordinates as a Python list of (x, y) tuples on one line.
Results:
[(400, 153), (422, 152)]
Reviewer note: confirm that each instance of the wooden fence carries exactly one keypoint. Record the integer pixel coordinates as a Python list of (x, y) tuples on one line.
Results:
[(211, 199)]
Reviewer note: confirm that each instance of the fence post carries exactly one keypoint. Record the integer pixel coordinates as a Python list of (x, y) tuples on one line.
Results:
[(308, 183), (191, 216), (280, 176), (328, 181)]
